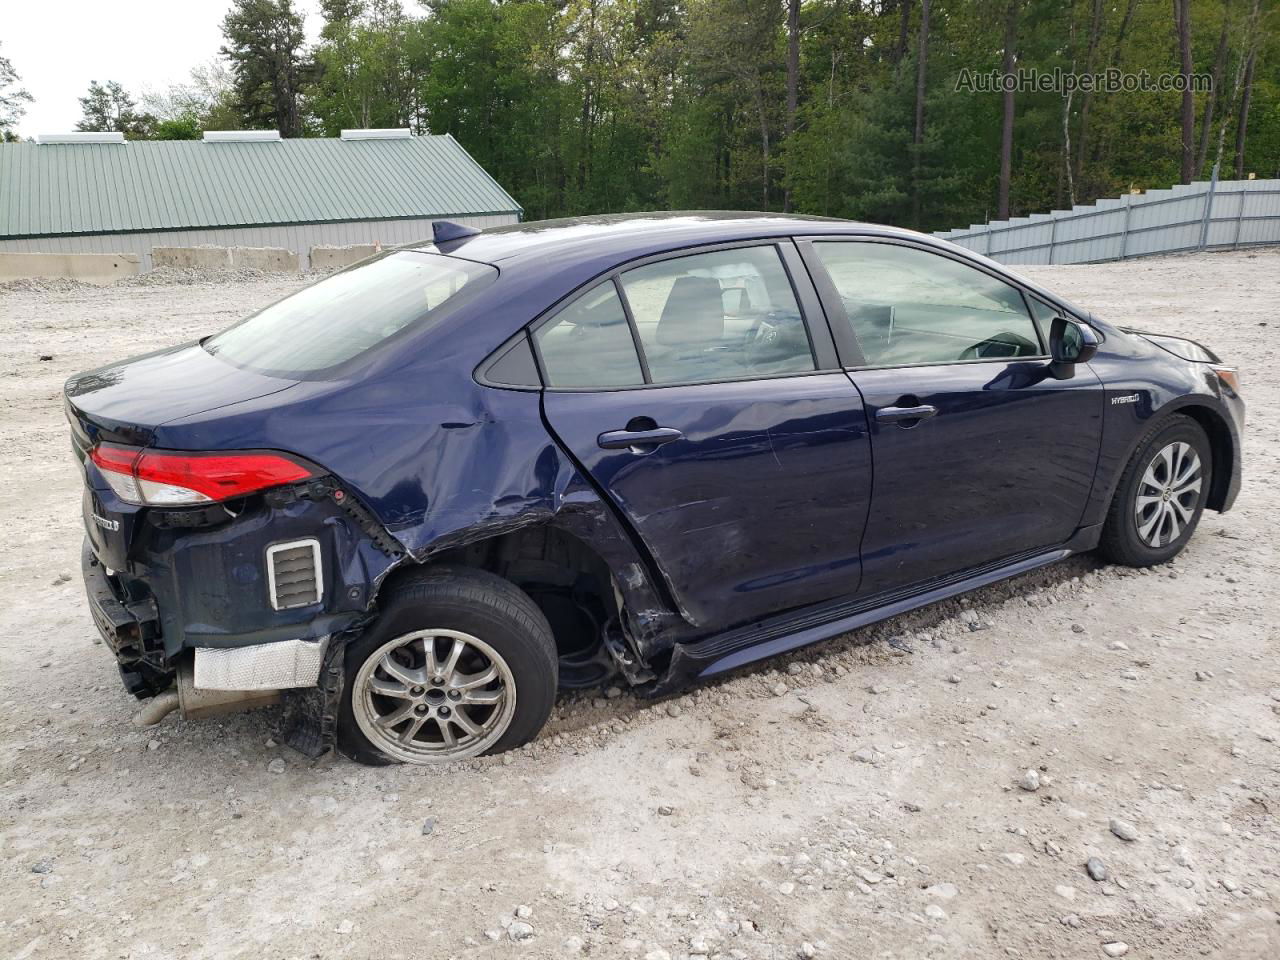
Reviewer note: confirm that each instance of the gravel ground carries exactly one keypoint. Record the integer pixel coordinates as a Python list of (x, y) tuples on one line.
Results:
[(867, 797)]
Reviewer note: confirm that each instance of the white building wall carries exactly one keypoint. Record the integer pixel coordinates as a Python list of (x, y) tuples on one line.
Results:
[(300, 238)]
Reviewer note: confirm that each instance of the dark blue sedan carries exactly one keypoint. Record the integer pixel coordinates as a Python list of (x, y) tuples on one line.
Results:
[(415, 498)]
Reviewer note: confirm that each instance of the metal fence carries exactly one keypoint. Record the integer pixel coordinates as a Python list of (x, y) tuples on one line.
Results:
[(1212, 215)]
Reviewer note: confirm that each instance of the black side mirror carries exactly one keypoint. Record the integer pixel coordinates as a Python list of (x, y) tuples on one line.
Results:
[(1070, 343)]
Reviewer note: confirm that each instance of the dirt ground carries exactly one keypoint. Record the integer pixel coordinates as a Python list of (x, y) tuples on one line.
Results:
[(861, 799)]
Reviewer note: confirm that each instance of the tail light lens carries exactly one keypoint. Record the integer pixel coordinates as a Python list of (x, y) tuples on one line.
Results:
[(171, 478)]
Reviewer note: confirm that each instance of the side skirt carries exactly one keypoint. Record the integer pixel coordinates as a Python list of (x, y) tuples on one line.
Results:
[(799, 628)]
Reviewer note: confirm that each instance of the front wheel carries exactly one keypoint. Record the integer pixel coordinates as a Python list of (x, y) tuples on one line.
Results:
[(459, 663), (1161, 495)]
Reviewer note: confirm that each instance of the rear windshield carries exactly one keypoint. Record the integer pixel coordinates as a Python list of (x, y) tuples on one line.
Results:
[(344, 315)]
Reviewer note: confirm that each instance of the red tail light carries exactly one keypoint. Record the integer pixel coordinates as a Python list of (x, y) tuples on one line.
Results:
[(174, 478)]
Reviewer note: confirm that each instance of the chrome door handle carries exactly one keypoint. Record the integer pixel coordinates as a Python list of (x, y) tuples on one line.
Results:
[(902, 414), (623, 439)]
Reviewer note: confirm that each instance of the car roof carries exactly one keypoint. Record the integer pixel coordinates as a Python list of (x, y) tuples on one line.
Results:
[(637, 234)]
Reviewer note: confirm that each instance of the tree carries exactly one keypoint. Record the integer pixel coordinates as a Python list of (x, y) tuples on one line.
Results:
[(264, 42), (13, 99), (1182, 25), (922, 74), (1006, 122), (110, 109)]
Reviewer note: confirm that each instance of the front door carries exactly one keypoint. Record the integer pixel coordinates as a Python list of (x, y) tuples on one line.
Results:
[(980, 454), (688, 390)]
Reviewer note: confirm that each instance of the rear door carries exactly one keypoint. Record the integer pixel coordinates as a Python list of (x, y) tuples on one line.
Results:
[(980, 454), (716, 420)]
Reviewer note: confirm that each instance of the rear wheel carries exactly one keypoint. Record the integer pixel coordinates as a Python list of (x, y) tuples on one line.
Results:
[(1161, 495), (459, 663)]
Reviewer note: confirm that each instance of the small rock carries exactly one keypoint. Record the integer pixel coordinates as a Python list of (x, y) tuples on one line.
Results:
[(787, 888), (943, 891), (524, 912), (1065, 892), (574, 945), (1115, 948), (877, 688), (1182, 857), (153, 744), (865, 755), (276, 766), (665, 810), (1201, 675), (698, 947), (869, 876), (1014, 859), (42, 866), (613, 693), (520, 931), (271, 743), (794, 669), (673, 709), (780, 689), (1096, 869), (1124, 830), (935, 912), (954, 678), (428, 825), (345, 927), (1117, 645), (1077, 628), (1030, 781), (807, 949)]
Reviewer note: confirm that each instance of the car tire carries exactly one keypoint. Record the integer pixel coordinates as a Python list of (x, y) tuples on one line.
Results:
[(1149, 521), (405, 663)]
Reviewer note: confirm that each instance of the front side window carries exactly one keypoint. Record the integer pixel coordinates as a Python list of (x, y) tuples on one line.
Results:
[(589, 343), (911, 306), (348, 313), (718, 316)]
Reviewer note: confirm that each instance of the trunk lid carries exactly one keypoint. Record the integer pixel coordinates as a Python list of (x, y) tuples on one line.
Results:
[(124, 402)]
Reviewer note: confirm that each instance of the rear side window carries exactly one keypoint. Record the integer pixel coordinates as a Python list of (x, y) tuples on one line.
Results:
[(589, 343), (718, 316), (348, 313), (912, 306)]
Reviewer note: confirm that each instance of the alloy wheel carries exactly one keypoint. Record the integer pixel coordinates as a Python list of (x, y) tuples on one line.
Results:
[(432, 696), (1167, 494)]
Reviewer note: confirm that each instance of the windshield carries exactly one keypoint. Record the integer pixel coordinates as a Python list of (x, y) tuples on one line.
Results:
[(344, 315)]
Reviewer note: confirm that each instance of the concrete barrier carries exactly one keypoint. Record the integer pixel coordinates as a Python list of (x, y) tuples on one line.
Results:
[(333, 258), (191, 258), (86, 267), (266, 259)]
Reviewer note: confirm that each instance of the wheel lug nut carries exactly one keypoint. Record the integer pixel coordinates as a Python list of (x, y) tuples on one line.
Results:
[(455, 694), (444, 711), (421, 709), (417, 691), (437, 680)]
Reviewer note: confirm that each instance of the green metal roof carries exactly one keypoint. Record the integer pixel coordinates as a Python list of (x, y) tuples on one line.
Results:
[(63, 189)]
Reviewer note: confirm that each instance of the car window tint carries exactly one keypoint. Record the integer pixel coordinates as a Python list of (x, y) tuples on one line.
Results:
[(589, 343), (717, 316), (912, 306), (346, 314)]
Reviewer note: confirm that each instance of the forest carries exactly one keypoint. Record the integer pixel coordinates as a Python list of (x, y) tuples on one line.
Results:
[(865, 109)]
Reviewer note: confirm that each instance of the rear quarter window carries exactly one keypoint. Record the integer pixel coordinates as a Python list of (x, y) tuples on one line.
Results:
[(339, 318)]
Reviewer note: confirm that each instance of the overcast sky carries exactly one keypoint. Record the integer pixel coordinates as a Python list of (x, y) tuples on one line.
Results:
[(58, 46)]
